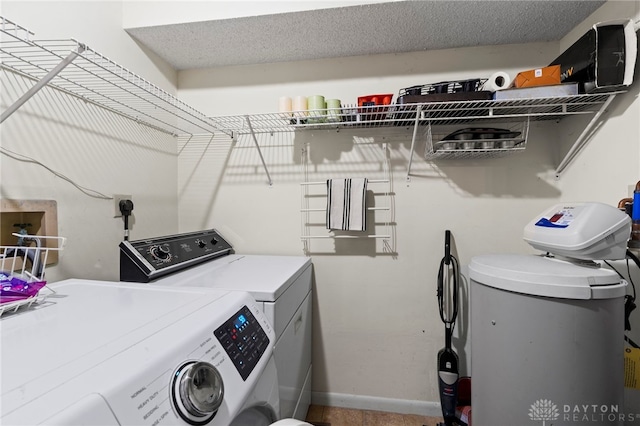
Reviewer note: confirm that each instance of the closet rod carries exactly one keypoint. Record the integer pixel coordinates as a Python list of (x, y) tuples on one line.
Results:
[(325, 182)]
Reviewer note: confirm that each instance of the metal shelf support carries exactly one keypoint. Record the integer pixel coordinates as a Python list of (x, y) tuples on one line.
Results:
[(582, 140), (41, 83), (413, 140), (255, 141)]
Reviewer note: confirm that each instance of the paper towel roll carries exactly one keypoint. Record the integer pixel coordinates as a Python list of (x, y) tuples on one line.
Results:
[(498, 81)]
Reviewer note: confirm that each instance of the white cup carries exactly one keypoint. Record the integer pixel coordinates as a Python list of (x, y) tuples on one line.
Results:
[(300, 106), (284, 106)]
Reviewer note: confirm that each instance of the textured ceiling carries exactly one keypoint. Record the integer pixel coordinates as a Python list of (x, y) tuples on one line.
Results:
[(402, 26)]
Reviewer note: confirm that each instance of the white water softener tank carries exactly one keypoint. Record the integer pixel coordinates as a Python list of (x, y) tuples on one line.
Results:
[(547, 332)]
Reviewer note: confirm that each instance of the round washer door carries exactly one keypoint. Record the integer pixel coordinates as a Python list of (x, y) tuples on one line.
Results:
[(548, 277)]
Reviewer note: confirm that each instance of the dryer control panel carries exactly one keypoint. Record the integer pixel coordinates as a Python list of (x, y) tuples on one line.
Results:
[(244, 340), (146, 260)]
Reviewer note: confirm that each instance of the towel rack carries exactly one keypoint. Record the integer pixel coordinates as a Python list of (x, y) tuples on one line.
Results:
[(313, 227), (374, 181), (368, 181)]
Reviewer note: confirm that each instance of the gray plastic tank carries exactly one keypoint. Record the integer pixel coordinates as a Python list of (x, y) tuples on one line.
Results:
[(546, 342)]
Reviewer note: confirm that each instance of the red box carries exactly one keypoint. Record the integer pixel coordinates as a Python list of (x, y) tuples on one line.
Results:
[(545, 76), (369, 107), (371, 100)]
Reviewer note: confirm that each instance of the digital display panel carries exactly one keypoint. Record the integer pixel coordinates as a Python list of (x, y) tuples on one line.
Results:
[(244, 340), (240, 322)]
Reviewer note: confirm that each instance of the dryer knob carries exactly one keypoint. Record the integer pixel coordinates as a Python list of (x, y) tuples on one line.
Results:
[(198, 391)]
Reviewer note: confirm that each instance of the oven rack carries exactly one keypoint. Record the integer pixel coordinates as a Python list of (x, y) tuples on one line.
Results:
[(12, 261)]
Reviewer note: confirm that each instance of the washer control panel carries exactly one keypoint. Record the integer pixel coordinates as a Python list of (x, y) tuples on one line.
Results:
[(146, 260), (244, 340)]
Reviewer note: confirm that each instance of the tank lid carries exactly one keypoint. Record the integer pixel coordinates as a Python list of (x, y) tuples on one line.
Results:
[(542, 276)]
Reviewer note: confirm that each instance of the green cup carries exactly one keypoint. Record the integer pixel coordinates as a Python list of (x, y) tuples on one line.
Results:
[(317, 109), (333, 110)]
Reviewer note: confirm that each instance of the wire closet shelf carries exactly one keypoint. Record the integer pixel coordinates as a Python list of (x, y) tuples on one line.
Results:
[(76, 69), (27, 263), (401, 116)]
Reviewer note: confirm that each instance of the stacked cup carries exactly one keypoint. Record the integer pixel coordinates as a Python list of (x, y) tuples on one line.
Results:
[(333, 110), (312, 109), (317, 108), (284, 107)]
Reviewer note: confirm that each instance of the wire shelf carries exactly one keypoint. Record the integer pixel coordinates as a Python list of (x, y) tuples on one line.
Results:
[(406, 115), (14, 261), (439, 146), (95, 78)]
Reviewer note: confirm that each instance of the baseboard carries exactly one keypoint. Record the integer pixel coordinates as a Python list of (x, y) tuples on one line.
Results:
[(363, 402)]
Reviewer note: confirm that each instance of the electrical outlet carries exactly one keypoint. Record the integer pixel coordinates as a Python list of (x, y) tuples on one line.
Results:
[(116, 203)]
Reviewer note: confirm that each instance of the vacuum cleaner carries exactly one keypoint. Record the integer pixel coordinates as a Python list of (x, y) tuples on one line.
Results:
[(447, 293)]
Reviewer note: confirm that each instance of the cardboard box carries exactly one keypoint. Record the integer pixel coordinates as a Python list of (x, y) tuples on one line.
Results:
[(546, 76), (554, 91), (603, 59)]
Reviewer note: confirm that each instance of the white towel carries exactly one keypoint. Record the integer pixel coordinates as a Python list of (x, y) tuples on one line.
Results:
[(346, 209)]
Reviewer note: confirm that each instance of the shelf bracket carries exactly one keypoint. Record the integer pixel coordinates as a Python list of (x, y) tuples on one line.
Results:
[(255, 141), (413, 140), (583, 138), (41, 83)]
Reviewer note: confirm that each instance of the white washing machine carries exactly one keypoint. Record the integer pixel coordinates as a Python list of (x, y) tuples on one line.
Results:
[(281, 285), (123, 354)]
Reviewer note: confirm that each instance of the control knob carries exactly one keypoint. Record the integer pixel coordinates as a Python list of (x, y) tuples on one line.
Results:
[(160, 253), (197, 392)]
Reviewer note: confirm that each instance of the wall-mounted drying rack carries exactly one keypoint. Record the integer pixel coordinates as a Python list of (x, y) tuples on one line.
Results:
[(324, 210), (313, 217)]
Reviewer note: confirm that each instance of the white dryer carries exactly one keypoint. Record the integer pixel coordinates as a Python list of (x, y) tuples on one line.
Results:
[(114, 354), (281, 285)]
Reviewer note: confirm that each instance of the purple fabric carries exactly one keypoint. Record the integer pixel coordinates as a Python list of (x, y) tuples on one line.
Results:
[(14, 288)]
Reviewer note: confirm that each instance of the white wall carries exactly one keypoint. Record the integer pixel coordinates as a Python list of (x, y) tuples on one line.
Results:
[(94, 148), (376, 324)]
